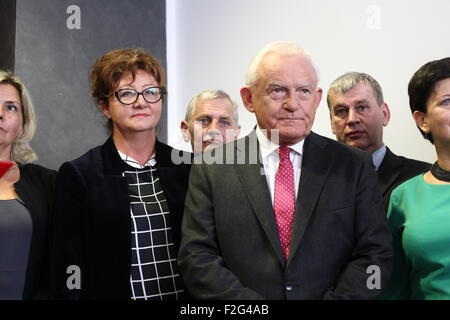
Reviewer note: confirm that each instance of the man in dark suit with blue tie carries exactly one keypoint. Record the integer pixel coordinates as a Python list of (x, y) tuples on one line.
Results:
[(284, 213)]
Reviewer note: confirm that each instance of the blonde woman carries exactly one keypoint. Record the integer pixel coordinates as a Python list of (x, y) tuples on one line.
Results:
[(26, 191)]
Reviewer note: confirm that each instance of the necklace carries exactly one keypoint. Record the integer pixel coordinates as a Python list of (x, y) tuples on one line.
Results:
[(440, 173)]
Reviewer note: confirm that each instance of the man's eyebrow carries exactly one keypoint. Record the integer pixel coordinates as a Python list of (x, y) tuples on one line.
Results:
[(276, 84), (302, 85), (203, 115), (340, 105)]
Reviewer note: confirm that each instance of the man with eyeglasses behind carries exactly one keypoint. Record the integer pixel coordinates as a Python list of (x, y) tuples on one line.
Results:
[(119, 207)]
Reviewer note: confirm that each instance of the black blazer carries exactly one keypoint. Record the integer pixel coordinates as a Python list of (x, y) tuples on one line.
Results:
[(36, 188), (92, 227), (230, 247), (396, 169)]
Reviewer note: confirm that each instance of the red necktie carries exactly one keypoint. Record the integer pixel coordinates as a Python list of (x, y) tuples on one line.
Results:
[(284, 200)]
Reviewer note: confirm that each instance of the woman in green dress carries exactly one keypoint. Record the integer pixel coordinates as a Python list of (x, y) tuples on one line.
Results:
[(419, 209)]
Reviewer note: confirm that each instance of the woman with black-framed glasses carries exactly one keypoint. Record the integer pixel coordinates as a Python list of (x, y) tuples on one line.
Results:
[(118, 208)]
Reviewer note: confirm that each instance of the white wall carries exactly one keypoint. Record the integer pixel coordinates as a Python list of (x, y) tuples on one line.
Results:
[(211, 43)]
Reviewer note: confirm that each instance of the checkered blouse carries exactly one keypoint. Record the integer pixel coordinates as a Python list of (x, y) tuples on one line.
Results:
[(154, 271)]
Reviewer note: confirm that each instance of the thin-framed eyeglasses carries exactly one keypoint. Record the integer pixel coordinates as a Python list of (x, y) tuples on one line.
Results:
[(130, 96)]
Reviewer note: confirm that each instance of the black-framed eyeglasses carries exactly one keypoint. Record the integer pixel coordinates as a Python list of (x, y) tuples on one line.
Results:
[(130, 96)]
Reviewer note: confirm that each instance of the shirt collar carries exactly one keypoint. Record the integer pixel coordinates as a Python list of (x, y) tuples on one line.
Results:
[(267, 147), (135, 164), (378, 156)]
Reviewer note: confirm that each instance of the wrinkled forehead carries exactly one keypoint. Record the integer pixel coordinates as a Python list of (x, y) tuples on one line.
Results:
[(296, 69), (358, 93), (214, 108)]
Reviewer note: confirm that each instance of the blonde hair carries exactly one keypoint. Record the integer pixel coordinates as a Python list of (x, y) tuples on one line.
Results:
[(21, 150)]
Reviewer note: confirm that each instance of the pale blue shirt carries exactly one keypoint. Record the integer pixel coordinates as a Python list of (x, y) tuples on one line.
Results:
[(378, 156)]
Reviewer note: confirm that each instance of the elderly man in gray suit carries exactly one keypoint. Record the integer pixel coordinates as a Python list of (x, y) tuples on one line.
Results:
[(284, 213)]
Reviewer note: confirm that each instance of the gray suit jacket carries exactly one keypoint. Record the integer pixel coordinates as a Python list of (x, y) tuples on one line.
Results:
[(230, 247)]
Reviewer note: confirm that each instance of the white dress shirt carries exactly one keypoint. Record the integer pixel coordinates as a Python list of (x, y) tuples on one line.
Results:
[(270, 160)]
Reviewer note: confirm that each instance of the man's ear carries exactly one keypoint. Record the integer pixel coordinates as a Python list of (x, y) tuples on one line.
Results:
[(247, 99), (104, 108), (333, 128), (185, 131), (421, 121), (318, 97), (330, 104), (237, 131), (386, 114)]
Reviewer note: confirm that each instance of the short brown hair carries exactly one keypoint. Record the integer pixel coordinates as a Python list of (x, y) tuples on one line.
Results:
[(109, 68), (422, 84)]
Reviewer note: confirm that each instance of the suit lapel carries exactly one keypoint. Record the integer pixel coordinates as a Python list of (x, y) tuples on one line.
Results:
[(316, 163), (251, 175), (31, 195), (388, 171), (27, 194)]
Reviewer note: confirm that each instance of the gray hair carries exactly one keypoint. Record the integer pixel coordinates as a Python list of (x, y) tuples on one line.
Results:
[(282, 48), (349, 80), (21, 150), (210, 95)]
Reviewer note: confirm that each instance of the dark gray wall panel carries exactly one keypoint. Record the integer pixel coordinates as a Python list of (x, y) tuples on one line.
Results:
[(54, 62), (7, 33)]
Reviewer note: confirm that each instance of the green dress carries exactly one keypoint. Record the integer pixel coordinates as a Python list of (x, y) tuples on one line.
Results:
[(419, 216)]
